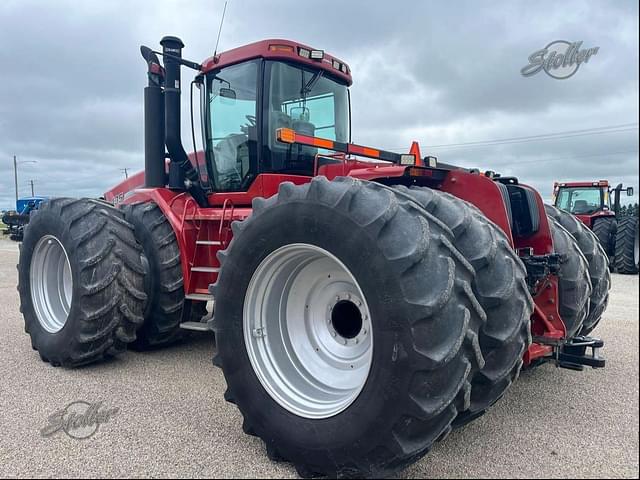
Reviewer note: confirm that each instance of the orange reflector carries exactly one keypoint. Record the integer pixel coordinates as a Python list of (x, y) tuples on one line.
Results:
[(371, 152), (281, 48), (286, 135), (322, 143), (419, 172)]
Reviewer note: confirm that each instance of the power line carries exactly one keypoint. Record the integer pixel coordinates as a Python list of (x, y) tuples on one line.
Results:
[(607, 154), (626, 127)]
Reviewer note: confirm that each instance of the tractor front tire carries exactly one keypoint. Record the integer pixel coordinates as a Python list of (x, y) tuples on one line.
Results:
[(627, 254), (80, 281), (574, 284), (347, 339), (499, 285), (163, 281), (598, 262)]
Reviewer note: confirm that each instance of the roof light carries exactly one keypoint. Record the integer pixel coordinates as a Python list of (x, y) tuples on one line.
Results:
[(303, 52), (343, 67), (431, 161), (336, 64), (317, 54), (408, 159), (280, 48)]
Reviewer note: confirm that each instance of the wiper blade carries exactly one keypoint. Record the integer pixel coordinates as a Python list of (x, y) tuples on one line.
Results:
[(312, 82)]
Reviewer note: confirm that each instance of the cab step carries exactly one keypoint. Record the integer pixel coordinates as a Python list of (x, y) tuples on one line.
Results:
[(205, 269), (195, 326), (199, 297)]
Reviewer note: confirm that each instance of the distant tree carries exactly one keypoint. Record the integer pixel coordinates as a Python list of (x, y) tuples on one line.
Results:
[(636, 209), (623, 211)]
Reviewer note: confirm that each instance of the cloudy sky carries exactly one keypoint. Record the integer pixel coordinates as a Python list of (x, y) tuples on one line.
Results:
[(440, 72)]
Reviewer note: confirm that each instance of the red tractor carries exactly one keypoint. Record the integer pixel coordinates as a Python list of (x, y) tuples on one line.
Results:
[(591, 203), (365, 302)]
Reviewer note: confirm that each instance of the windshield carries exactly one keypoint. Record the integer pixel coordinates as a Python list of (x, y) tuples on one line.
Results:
[(580, 200), (309, 102)]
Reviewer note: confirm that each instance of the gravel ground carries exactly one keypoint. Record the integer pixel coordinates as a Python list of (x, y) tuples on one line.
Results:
[(173, 422)]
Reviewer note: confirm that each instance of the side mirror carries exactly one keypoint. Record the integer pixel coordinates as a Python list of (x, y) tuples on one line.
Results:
[(629, 191), (227, 93)]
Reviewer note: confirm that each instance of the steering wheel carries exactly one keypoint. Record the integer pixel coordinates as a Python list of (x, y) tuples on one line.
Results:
[(251, 119)]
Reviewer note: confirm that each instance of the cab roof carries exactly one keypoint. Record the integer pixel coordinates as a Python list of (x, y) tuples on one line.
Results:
[(279, 49), (600, 183)]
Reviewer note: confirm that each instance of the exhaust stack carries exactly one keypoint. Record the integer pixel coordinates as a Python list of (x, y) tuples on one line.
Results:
[(181, 173), (154, 165)]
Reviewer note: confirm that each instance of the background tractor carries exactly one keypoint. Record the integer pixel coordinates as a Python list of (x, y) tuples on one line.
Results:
[(591, 203), (16, 220), (366, 302)]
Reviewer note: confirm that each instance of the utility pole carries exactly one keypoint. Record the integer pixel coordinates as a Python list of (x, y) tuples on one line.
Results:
[(125, 171), (15, 173), (15, 176), (32, 194)]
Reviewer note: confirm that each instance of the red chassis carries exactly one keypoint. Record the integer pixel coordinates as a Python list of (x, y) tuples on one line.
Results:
[(202, 232)]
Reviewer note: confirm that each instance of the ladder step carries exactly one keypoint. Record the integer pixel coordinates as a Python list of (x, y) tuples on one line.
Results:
[(208, 242), (201, 297), (206, 269), (195, 326)]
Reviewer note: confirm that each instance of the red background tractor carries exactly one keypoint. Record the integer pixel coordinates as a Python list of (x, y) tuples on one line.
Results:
[(591, 203)]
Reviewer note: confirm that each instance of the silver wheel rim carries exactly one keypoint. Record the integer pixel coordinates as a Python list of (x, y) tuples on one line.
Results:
[(307, 330), (51, 283)]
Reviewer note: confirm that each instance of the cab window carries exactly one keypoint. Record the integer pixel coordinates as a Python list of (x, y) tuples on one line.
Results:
[(231, 130)]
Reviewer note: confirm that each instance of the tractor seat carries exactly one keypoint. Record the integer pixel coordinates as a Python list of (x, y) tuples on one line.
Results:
[(581, 206)]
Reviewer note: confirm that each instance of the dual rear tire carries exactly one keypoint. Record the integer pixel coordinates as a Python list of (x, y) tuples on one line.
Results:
[(597, 262), (80, 280), (94, 278), (163, 280), (359, 261)]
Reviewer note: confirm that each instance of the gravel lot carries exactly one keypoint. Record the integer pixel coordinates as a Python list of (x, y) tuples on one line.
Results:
[(173, 422)]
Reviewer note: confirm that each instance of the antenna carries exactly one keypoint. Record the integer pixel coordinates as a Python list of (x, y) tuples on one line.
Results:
[(220, 29)]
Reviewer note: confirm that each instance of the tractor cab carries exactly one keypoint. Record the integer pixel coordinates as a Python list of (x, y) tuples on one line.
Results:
[(587, 199), (249, 94), (582, 198)]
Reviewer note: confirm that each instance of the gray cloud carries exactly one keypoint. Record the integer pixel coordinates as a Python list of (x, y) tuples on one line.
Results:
[(437, 72)]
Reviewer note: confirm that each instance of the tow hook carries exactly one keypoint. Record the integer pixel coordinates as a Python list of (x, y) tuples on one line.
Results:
[(573, 354)]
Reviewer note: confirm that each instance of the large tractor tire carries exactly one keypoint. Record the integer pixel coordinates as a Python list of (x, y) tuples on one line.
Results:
[(627, 252), (348, 339), (163, 282), (605, 229), (80, 281), (499, 285), (574, 284), (598, 262)]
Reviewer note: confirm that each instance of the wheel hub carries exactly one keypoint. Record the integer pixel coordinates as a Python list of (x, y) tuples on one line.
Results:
[(346, 320), (307, 330)]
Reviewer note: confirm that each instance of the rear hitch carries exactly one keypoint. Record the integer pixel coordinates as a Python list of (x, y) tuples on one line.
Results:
[(573, 354)]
